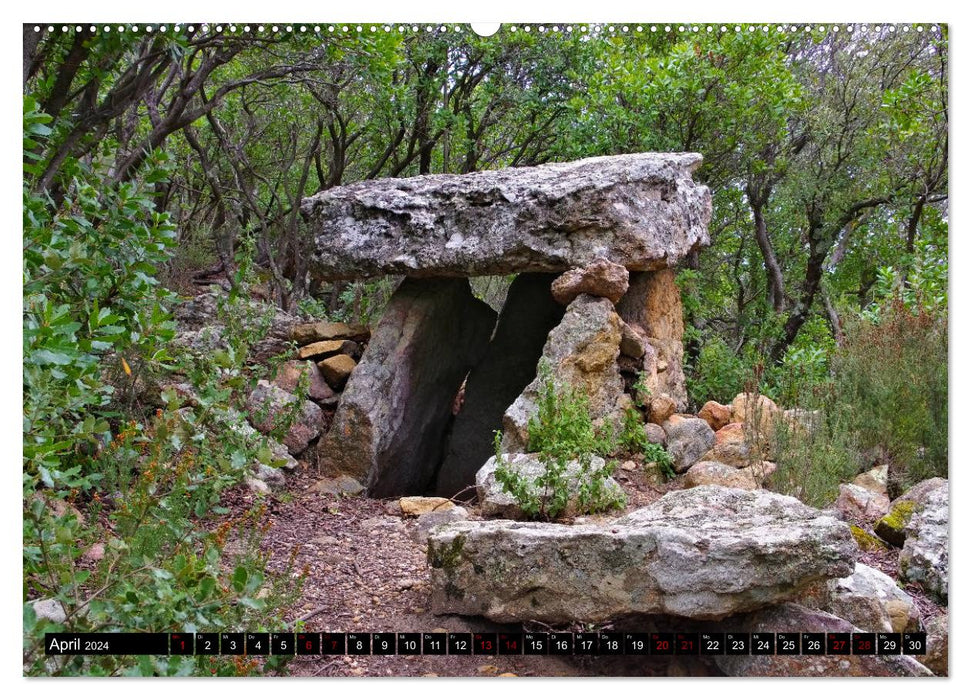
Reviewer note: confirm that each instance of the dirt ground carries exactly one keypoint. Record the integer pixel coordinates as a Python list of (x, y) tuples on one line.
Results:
[(368, 573)]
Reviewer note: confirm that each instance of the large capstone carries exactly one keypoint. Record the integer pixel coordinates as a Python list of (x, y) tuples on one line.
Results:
[(642, 211), (390, 424), (703, 553), (508, 366), (580, 354)]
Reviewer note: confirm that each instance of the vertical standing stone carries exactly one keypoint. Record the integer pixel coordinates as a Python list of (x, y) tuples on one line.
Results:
[(582, 354), (653, 303), (509, 365), (390, 425)]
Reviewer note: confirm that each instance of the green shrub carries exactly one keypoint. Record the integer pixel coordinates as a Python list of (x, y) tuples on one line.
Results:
[(633, 439), (96, 471), (885, 400), (718, 374), (890, 381), (562, 431)]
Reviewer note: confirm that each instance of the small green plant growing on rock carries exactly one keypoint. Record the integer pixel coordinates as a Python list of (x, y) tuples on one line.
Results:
[(634, 440), (562, 432)]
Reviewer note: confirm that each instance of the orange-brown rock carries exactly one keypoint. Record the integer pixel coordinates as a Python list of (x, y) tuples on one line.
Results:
[(337, 369), (601, 278), (327, 330), (716, 415)]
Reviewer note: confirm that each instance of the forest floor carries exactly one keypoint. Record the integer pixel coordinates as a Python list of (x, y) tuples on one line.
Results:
[(367, 572)]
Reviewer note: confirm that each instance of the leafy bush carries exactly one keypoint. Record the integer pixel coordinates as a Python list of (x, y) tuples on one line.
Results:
[(93, 309), (634, 440), (718, 373), (89, 294), (813, 456), (562, 431), (890, 381), (885, 400)]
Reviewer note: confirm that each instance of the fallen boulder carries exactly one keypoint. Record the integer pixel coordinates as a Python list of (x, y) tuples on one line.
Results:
[(924, 557), (893, 526), (270, 407), (859, 503), (867, 598), (688, 440), (581, 353), (702, 553), (716, 415), (719, 474)]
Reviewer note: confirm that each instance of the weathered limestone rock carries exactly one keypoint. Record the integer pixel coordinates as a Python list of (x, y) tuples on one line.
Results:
[(271, 476), (702, 553), (391, 421), (655, 434), (341, 485), (641, 210), (688, 439), (320, 331), (924, 558), (867, 598), (874, 480), (49, 609), (600, 278), (273, 455), (581, 353), (337, 370), (413, 506), (757, 412), (257, 485), (866, 541), (290, 374), (526, 319), (892, 527), (790, 617), (326, 348), (857, 503), (718, 474), (429, 521), (201, 325), (633, 342), (716, 415), (494, 502), (661, 407), (270, 406), (653, 303), (733, 446), (937, 636)]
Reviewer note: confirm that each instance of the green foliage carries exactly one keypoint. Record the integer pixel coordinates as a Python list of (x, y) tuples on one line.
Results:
[(90, 296), (561, 432), (93, 309), (633, 439), (718, 374), (885, 400), (813, 457), (891, 382)]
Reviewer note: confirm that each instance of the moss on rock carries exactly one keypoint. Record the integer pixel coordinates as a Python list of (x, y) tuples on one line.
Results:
[(866, 541), (891, 526)]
